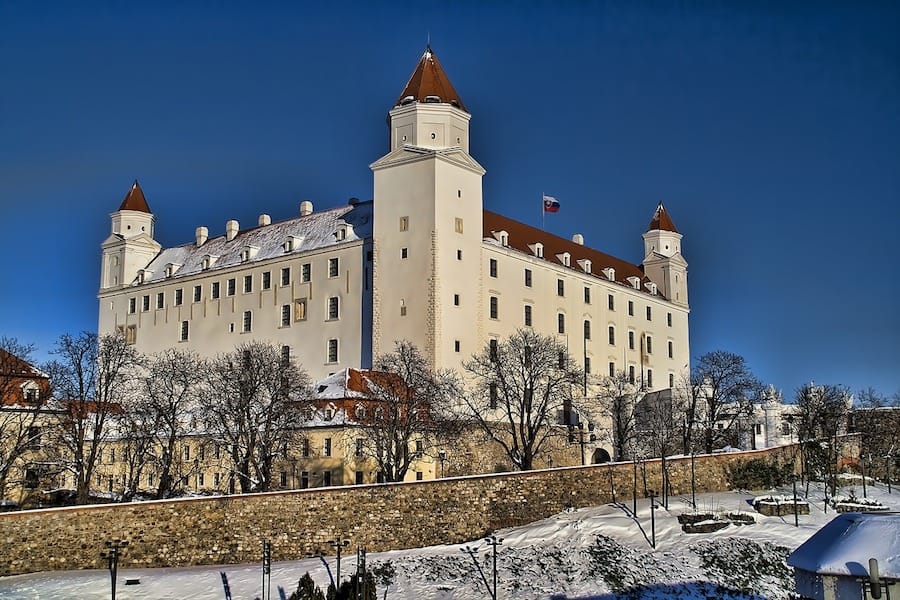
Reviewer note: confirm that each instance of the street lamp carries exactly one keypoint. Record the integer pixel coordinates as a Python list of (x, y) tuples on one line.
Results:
[(652, 494), (442, 456), (796, 517), (494, 541), (472, 551), (111, 554), (338, 544)]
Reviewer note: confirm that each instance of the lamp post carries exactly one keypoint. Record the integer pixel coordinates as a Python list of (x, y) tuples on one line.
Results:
[(472, 552), (111, 554), (862, 468), (796, 517), (494, 541), (338, 544), (890, 460), (267, 570), (442, 456), (652, 494), (634, 488), (693, 483)]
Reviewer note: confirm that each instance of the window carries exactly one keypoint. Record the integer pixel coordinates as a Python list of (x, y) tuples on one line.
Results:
[(248, 284), (669, 319), (419, 475), (333, 267), (333, 308), (404, 223), (456, 345), (326, 478), (587, 295), (494, 307), (145, 303), (326, 451), (304, 480), (649, 315), (649, 378), (229, 288), (332, 351), (671, 380), (493, 267), (493, 396), (455, 299), (671, 349), (248, 321), (187, 453), (631, 374), (493, 349), (587, 329), (459, 255), (286, 315), (612, 369), (611, 302), (197, 293), (160, 300), (631, 340), (285, 355), (561, 359), (527, 277), (300, 309), (131, 334), (649, 345), (458, 225), (305, 272), (184, 331), (266, 282), (612, 334), (132, 305), (214, 291), (282, 479), (404, 253), (630, 308), (304, 448), (587, 365), (179, 297), (359, 478), (359, 447), (528, 315), (560, 287), (286, 276), (561, 323)]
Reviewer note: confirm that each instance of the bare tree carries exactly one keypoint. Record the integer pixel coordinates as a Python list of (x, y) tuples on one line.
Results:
[(727, 391), (406, 412), (689, 392), (91, 376), (254, 398), (877, 419), (24, 393), (618, 401), (660, 416), (522, 384), (822, 412)]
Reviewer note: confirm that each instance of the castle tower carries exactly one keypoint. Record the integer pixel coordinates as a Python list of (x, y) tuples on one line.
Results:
[(428, 223), (131, 246), (663, 262)]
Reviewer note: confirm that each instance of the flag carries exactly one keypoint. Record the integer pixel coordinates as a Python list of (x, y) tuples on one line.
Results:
[(551, 204)]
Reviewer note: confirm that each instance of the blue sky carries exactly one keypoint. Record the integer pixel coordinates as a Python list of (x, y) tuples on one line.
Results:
[(770, 130)]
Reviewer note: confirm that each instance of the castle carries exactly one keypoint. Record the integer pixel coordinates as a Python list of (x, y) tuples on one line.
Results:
[(423, 261)]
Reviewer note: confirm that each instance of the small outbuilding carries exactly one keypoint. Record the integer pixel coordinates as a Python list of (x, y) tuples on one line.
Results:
[(834, 563)]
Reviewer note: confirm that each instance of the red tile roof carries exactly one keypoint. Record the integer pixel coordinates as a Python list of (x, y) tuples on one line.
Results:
[(429, 79), (521, 235), (661, 220), (134, 199)]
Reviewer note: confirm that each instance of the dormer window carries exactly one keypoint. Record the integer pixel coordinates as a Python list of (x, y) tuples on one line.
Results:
[(171, 269), (653, 289), (565, 258), (635, 282), (341, 234), (292, 243), (249, 252), (142, 276), (432, 99), (501, 236), (208, 261), (585, 265), (537, 248), (610, 273)]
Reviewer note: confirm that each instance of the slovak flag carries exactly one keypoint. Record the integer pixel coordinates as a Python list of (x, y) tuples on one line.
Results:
[(551, 204)]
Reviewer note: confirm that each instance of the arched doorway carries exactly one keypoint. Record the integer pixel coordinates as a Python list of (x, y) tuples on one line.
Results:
[(600, 456)]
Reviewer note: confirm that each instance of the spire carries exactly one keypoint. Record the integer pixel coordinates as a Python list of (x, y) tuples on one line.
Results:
[(661, 220), (134, 199), (428, 81)]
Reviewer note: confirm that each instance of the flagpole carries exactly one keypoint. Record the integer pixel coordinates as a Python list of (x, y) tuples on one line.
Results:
[(543, 212)]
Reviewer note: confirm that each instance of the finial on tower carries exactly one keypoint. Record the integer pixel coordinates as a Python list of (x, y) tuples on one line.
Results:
[(429, 84), (134, 199), (661, 220)]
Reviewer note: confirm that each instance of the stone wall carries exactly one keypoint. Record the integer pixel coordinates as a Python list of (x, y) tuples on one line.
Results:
[(230, 529)]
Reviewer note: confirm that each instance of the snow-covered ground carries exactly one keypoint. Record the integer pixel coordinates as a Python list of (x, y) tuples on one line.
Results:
[(597, 553)]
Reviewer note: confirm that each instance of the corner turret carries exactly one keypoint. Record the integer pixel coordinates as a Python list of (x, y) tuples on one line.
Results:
[(131, 245), (663, 262)]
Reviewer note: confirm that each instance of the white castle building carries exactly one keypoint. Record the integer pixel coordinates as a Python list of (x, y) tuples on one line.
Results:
[(423, 261)]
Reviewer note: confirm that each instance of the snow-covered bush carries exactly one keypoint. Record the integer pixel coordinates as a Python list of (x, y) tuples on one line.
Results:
[(759, 561)]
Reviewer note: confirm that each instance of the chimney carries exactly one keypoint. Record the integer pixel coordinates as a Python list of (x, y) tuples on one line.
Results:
[(202, 234), (306, 208), (231, 229), (264, 220), (578, 239)]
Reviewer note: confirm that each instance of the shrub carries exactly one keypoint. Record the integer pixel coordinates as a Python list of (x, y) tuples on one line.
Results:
[(758, 473)]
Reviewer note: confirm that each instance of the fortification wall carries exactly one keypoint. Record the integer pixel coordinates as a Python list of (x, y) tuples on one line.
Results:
[(230, 529)]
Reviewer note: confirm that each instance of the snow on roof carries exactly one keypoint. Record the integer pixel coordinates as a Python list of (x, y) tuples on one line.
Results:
[(310, 232), (845, 545)]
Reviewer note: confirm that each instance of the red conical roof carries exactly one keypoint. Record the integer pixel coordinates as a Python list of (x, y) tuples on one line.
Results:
[(661, 220), (429, 79), (134, 199)]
